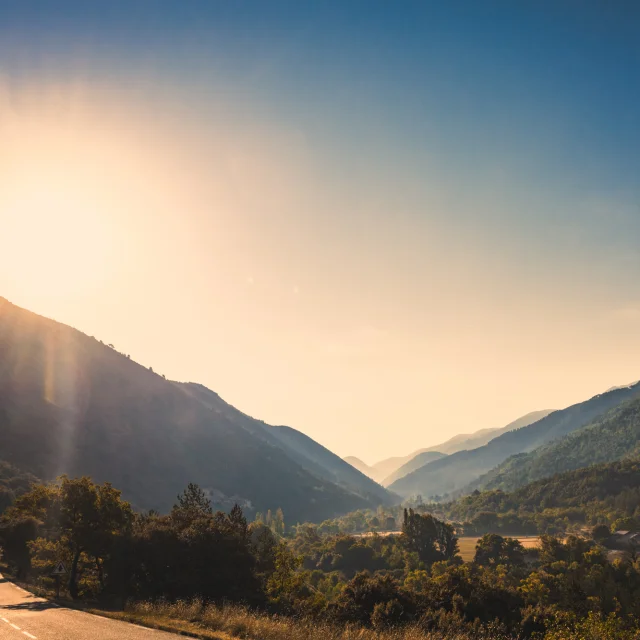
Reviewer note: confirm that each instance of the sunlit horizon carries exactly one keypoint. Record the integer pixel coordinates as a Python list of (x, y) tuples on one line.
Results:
[(380, 249)]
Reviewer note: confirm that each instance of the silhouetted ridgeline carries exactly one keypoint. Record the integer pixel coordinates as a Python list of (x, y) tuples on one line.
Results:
[(70, 404)]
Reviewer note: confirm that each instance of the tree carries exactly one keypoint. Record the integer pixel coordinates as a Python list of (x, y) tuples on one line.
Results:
[(601, 533), (430, 538), (494, 550), (90, 517), (278, 523), (286, 585), (365, 595), (264, 547), (192, 504)]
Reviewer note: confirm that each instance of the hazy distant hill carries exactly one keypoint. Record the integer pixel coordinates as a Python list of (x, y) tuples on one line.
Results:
[(614, 435), (415, 463), (458, 443), (474, 440), (459, 469), (69, 404), (358, 464)]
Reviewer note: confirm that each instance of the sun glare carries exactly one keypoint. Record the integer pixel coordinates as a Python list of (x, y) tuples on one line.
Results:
[(57, 238), (55, 218), (61, 196)]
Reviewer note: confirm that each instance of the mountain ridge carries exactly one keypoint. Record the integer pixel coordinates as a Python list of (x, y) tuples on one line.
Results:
[(70, 404), (614, 436), (461, 442), (458, 470)]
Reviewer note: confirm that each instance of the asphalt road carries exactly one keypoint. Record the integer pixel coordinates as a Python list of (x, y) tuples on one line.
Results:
[(23, 615)]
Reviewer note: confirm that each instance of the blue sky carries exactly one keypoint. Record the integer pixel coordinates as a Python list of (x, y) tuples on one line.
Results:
[(449, 188)]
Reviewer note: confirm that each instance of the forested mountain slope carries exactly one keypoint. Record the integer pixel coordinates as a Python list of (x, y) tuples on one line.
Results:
[(599, 489), (456, 471), (615, 435), (306, 451), (70, 404)]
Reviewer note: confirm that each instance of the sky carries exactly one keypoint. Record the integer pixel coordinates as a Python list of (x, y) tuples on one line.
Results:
[(380, 223)]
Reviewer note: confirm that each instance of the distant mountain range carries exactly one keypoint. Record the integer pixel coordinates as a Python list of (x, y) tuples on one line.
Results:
[(389, 470), (612, 436), (451, 475), (419, 460), (70, 404)]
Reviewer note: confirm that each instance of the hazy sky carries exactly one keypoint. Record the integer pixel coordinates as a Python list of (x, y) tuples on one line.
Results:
[(379, 223)]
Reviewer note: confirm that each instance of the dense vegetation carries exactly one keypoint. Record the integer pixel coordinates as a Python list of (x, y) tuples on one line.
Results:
[(70, 404), (615, 435), (13, 483), (415, 580), (456, 471), (601, 494)]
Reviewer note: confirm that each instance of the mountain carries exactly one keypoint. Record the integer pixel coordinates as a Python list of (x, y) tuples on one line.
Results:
[(358, 464), (459, 443), (381, 470), (614, 435), (306, 451), (597, 489), (70, 404), (415, 463), (456, 471), (479, 438)]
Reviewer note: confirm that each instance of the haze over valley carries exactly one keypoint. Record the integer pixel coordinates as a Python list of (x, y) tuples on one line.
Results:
[(319, 320)]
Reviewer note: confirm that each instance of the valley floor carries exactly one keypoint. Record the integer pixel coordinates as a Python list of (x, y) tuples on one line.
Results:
[(467, 545)]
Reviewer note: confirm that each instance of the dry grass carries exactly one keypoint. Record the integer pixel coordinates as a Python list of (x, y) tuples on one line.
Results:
[(467, 545), (233, 622), (225, 623)]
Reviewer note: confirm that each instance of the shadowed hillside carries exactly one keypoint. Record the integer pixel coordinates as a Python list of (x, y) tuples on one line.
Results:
[(70, 404), (311, 455)]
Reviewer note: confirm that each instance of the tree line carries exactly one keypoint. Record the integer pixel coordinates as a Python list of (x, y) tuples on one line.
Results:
[(414, 578)]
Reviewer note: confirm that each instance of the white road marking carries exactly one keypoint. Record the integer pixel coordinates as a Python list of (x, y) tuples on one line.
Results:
[(5, 620), (29, 635), (15, 626)]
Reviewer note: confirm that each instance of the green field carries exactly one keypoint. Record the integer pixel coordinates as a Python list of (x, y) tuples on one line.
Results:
[(468, 545)]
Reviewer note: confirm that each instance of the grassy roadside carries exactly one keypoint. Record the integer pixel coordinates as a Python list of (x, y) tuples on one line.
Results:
[(152, 621), (231, 622)]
